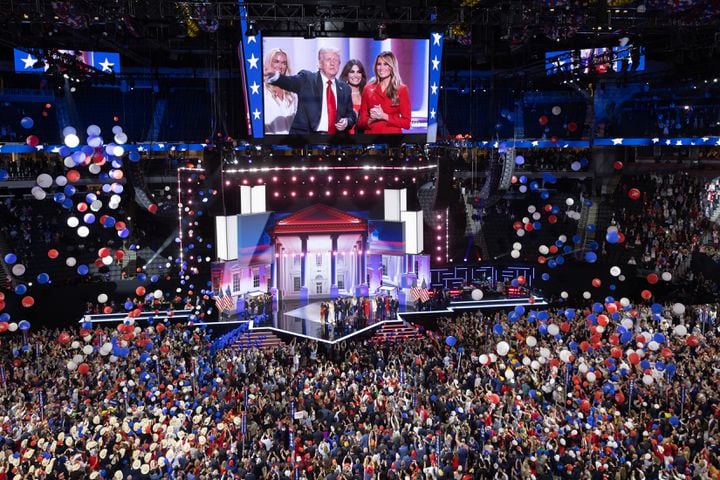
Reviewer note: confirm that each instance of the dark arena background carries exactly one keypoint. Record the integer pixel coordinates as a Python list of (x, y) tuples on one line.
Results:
[(370, 240)]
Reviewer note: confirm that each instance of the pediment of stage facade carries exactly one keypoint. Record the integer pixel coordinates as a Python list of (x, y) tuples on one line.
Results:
[(320, 218)]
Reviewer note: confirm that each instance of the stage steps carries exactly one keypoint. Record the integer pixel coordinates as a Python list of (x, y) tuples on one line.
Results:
[(396, 331), (262, 339)]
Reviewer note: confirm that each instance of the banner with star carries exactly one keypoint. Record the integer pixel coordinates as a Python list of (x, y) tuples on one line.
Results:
[(251, 70), (39, 61), (436, 43)]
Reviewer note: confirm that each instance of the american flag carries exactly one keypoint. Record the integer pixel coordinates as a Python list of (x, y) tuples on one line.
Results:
[(224, 301), (421, 293)]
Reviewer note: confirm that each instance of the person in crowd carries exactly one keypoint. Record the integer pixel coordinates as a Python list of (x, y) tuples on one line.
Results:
[(280, 105), (353, 73), (324, 103), (385, 106)]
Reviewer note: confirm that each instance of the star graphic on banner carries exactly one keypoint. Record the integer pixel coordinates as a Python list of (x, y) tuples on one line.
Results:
[(535, 143), (705, 139), (432, 113), (254, 88), (655, 140), (617, 141), (435, 62), (436, 38), (106, 65), (667, 142), (678, 143), (433, 88), (251, 39), (29, 61), (256, 114), (253, 60), (718, 142)]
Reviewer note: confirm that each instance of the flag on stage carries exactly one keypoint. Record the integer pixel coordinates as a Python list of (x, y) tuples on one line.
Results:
[(419, 293), (224, 301)]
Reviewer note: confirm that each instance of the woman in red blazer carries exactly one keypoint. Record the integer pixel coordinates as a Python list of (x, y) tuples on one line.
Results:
[(385, 106)]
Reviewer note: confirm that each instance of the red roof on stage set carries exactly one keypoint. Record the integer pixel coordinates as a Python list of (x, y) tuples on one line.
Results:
[(320, 218)]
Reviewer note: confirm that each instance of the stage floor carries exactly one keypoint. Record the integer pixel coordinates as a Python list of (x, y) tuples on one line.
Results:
[(302, 319)]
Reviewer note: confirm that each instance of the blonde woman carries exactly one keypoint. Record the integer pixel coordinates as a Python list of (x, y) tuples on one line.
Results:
[(280, 105)]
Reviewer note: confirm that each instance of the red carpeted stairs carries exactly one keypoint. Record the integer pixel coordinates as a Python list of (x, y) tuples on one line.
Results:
[(396, 331), (262, 339)]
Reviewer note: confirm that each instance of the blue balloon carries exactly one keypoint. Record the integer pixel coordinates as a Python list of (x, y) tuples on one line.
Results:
[(612, 236), (20, 289), (43, 278), (656, 308), (24, 325), (560, 260), (545, 276), (520, 310), (451, 341), (597, 307), (4, 175), (69, 190), (10, 258), (83, 269), (674, 421), (570, 313), (543, 316), (497, 330), (659, 338), (27, 122), (590, 257)]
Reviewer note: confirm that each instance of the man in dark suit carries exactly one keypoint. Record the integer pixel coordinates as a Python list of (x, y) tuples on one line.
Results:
[(324, 103)]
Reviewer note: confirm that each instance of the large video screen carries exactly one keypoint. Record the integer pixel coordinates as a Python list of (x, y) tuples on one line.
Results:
[(627, 58), (254, 242), (300, 108), (386, 237), (405, 112)]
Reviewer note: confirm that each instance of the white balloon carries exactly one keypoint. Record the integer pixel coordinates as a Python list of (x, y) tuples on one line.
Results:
[(543, 249), (87, 349), (621, 278), (587, 295), (509, 374), (531, 341), (535, 365), (68, 131), (520, 232), (38, 193), (678, 309), (73, 222), (523, 188), (83, 231), (565, 356), (158, 294), (531, 209), (61, 180), (477, 294), (69, 162), (71, 140), (484, 359), (648, 379), (627, 323), (502, 348), (591, 377), (78, 358), (117, 129), (121, 138), (102, 298), (553, 329), (556, 110), (653, 345), (107, 260), (44, 180), (564, 294), (96, 205), (118, 151), (18, 269), (624, 301), (72, 366), (544, 352), (515, 254), (75, 344), (517, 246), (666, 276), (93, 130), (615, 271), (569, 202), (536, 216), (71, 261), (680, 330), (13, 327), (94, 168)]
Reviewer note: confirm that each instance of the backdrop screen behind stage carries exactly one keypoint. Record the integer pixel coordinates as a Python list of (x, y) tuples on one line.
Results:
[(386, 237), (254, 242)]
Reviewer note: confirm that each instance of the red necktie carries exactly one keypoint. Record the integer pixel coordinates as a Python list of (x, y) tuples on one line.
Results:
[(331, 108)]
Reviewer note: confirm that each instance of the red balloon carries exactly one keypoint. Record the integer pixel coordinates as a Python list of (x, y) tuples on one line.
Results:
[(693, 341), (646, 294), (554, 139), (572, 126), (119, 254), (552, 219), (140, 291), (2, 305), (634, 193), (107, 309), (3, 327), (72, 176), (652, 278), (618, 165), (28, 301), (64, 338), (52, 253), (529, 227), (153, 208), (517, 225), (603, 320), (103, 252), (159, 328), (634, 358), (521, 279), (543, 119), (611, 308), (83, 369), (553, 249), (541, 260), (596, 282), (616, 352), (32, 140), (2, 295), (584, 346), (666, 352), (620, 398), (621, 237), (585, 406)]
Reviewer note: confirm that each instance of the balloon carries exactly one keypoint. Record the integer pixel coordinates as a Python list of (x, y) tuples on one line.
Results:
[(28, 301), (102, 298), (24, 325), (652, 278), (680, 330), (618, 165), (596, 282), (646, 294), (678, 309), (543, 120), (556, 110), (531, 341), (590, 257), (27, 123), (10, 258), (32, 140), (502, 348), (477, 294), (18, 270), (693, 341), (666, 276), (53, 254), (634, 193), (615, 271), (450, 341), (83, 369)]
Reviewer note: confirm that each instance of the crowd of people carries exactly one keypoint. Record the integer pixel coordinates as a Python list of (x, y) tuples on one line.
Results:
[(518, 394)]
